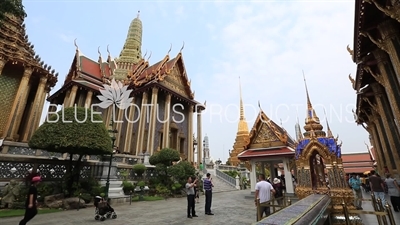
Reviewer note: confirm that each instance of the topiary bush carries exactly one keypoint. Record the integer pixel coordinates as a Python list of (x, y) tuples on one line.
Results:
[(139, 169)]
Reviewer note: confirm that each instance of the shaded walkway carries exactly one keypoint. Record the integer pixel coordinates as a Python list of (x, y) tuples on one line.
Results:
[(229, 208)]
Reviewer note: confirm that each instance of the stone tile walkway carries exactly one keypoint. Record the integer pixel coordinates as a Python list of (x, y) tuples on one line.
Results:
[(228, 207)]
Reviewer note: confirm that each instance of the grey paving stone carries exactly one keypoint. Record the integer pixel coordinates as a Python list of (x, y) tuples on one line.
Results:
[(228, 207)]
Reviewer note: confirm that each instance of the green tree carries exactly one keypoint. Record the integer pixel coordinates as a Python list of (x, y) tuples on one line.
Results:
[(165, 156), (74, 131), (163, 160), (12, 7), (181, 171)]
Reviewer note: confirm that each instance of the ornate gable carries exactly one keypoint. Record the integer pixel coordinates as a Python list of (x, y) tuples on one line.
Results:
[(174, 77), (265, 134)]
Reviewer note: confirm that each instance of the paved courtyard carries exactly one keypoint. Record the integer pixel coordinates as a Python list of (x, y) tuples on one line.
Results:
[(228, 207)]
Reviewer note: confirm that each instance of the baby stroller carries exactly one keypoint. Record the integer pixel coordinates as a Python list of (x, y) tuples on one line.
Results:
[(103, 209)]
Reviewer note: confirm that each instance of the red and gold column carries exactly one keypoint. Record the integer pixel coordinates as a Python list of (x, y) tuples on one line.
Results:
[(167, 118), (153, 120), (129, 128), (142, 123)]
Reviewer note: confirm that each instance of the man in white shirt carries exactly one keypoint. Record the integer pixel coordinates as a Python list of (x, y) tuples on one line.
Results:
[(263, 194)]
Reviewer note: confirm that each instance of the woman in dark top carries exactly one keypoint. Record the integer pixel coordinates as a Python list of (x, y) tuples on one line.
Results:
[(31, 201)]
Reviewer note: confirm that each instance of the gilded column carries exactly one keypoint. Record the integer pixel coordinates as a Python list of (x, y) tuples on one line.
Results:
[(379, 156), (387, 78), (119, 121), (190, 134), (66, 98), (41, 106), (390, 42), (167, 118), (129, 128), (2, 64), (383, 139), (387, 124), (199, 138), (34, 111), (142, 123), (81, 99), (52, 107), (153, 120), (18, 106), (72, 96), (88, 101)]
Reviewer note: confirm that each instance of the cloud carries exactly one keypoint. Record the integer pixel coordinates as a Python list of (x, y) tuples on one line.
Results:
[(268, 45), (66, 37)]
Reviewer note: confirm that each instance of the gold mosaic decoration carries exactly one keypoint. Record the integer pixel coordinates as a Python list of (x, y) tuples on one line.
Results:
[(9, 87)]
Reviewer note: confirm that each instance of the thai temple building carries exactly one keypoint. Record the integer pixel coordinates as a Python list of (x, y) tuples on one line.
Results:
[(164, 86), (25, 81), (377, 80)]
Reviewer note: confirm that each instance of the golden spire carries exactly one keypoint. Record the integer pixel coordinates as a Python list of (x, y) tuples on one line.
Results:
[(242, 127), (329, 132), (312, 121), (309, 105), (132, 50)]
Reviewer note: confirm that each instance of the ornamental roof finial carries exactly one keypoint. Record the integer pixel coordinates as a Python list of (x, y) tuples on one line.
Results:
[(138, 14)]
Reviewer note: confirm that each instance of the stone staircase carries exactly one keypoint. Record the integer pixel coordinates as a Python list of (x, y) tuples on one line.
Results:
[(221, 185)]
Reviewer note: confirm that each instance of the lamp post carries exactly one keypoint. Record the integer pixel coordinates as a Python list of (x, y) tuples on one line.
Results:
[(204, 157), (112, 132), (194, 146)]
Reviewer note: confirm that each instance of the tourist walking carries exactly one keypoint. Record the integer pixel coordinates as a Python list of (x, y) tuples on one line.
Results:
[(191, 212), (263, 195), (208, 185), (31, 201), (278, 190), (355, 184), (377, 187), (394, 192)]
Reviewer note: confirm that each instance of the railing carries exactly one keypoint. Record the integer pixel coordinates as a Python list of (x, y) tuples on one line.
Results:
[(382, 212), (281, 203), (313, 209), (225, 177)]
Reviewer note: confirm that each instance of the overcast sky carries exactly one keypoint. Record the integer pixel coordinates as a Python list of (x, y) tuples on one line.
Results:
[(266, 43)]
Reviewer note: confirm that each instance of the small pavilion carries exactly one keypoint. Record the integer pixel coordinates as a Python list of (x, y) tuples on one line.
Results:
[(268, 146)]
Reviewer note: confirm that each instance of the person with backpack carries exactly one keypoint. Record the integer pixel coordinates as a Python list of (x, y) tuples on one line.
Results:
[(355, 184)]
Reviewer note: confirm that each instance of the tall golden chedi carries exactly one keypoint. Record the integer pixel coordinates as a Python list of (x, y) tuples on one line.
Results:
[(25, 80), (242, 135), (319, 164)]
